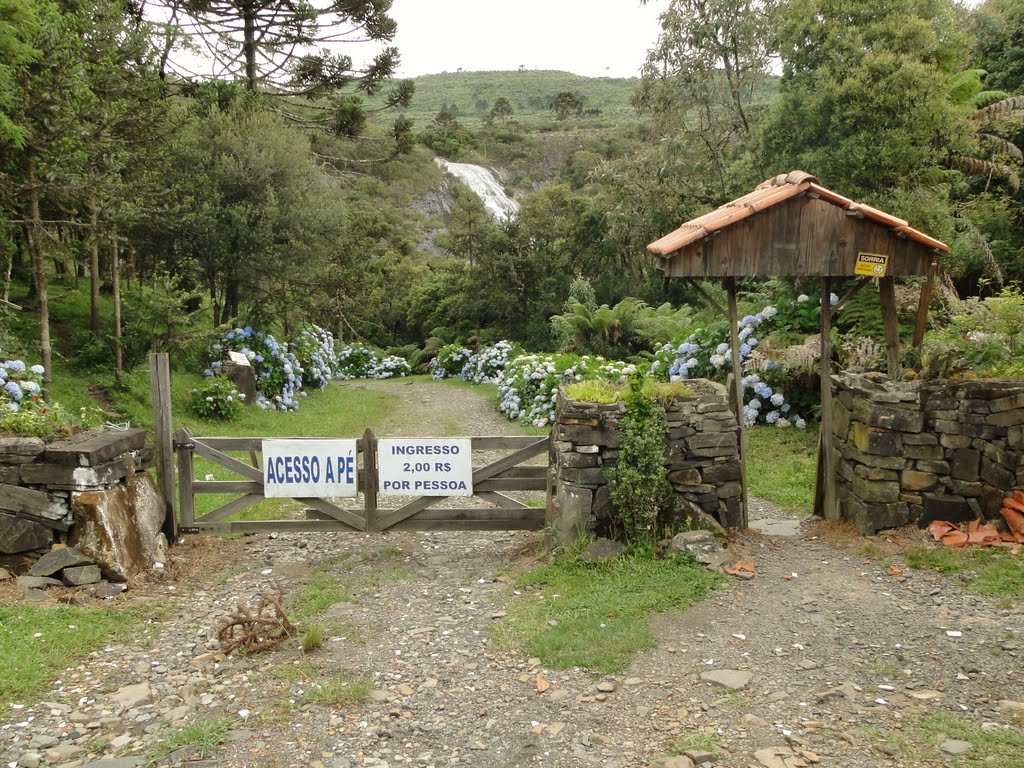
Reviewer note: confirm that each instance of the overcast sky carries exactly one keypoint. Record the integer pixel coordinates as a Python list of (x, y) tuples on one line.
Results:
[(597, 38)]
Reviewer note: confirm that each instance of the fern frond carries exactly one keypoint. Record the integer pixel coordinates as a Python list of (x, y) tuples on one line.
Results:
[(975, 166), (1002, 108), (985, 98), (1000, 146)]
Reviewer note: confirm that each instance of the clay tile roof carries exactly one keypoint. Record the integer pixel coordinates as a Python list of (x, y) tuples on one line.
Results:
[(768, 193)]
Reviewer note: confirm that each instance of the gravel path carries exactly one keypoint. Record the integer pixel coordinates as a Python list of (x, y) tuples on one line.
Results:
[(825, 656)]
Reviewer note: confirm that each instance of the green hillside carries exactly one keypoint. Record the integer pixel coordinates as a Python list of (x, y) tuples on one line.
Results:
[(530, 92)]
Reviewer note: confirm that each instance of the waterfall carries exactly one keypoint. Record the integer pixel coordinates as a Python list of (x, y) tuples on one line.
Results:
[(483, 184)]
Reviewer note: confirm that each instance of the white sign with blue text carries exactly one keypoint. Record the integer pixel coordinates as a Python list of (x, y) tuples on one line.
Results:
[(427, 466), (309, 468)]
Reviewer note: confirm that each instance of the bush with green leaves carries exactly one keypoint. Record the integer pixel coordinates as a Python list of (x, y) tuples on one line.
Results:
[(638, 483), (278, 373), (450, 362), (314, 349), (983, 338), (23, 411), (354, 362), (216, 399)]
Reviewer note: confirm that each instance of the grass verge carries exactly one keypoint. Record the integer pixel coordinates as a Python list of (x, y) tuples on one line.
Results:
[(995, 571), (781, 466), (37, 644), (571, 613), (340, 691), (201, 738), (317, 596)]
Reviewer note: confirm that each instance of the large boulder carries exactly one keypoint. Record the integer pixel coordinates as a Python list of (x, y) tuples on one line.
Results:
[(120, 527)]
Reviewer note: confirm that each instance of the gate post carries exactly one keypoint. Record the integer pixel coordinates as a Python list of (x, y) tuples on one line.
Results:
[(370, 479), (160, 390)]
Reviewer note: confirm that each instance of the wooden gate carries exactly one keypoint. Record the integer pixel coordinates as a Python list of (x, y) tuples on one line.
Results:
[(490, 484)]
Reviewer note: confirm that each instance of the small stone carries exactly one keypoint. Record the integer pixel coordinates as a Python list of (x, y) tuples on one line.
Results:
[(38, 582), (632, 681), (773, 757), (679, 761), (808, 664), (58, 559), (955, 747), (30, 760), (81, 575), (733, 679), (130, 696), (700, 757), (754, 722), (606, 686), (926, 695)]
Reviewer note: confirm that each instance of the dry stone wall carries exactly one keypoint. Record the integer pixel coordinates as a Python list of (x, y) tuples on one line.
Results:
[(913, 452), (90, 492), (701, 456)]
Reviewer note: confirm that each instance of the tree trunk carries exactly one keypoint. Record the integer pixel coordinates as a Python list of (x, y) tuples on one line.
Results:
[(39, 274), (115, 278), (249, 48), (94, 269)]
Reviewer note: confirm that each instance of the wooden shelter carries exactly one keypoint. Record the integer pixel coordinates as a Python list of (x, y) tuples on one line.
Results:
[(791, 226)]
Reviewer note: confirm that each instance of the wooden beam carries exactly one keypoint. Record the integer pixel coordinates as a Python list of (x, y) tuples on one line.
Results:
[(227, 510), (369, 479), (825, 443), (737, 377), (349, 518), (705, 295), (226, 461), (923, 304), (887, 291), (163, 439)]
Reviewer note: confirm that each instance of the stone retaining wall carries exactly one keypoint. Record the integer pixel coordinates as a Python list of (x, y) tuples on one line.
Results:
[(912, 452), (90, 492), (702, 458)]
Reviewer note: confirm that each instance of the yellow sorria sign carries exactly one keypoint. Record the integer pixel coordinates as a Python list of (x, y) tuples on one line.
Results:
[(871, 264)]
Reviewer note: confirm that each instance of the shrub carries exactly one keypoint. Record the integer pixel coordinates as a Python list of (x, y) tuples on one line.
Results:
[(450, 362), (314, 349), (354, 362), (488, 364), (984, 338), (22, 408), (391, 367), (278, 373), (216, 399)]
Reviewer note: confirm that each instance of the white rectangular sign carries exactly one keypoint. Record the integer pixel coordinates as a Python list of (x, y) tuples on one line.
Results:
[(309, 468), (425, 466)]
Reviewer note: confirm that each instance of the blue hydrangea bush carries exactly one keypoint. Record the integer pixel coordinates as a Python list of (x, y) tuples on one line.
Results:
[(706, 354), (390, 367), (354, 362), (278, 372), (23, 411), (314, 349), (21, 386), (450, 362), (217, 399), (488, 365)]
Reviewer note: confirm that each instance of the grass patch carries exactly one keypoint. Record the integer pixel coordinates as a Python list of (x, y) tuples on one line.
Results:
[(317, 596), (592, 615), (700, 742), (339, 691), (781, 466), (201, 737), (66, 635), (604, 392), (994, 747), (312, 639), (997, 572)]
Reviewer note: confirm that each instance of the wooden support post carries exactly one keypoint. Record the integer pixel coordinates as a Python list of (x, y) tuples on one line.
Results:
[(887, 291), (922, 305), (826, 458), (737, 378), (370, 479), (160, 391), (186, 474)]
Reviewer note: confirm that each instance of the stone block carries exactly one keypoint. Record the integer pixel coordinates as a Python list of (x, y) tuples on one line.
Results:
[(602, 509), (573, 460), (840, 419), (1015, 437), (78, 478), (9, 475), (730, 490), (875, 491), (58, 559), (888, 416), (912, 480), (993, 452), (953, 508), (869, 518), (20, 535), (590, 477), (81, 575), (964, 464), (992, 501), (850, 453), (938, 467), (579, 422), (996, 475), (976, 406), (120, 528), (926, 452), (712, 425), (1007, 418), (588, 449), (722, 472), (875, 473), (874, 440), (686, 477), (967, 489), (681, 432), (920, 438), (95, 447), (574, 510), (1008, 403), (19, 500), (21, 446), (956, 441), (589, 436), (731, 512)]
